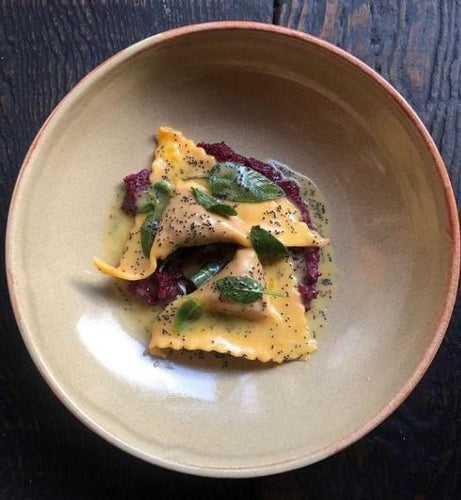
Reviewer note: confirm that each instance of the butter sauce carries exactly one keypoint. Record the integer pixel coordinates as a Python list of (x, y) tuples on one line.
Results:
[(139, 317), (317, 316)]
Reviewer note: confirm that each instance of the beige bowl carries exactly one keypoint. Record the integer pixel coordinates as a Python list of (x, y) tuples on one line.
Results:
[(269, 92)]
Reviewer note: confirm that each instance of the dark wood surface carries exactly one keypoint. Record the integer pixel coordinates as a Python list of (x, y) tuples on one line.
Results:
[(45, 48)]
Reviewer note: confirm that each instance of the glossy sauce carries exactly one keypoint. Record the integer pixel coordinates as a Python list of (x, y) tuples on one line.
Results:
[(139, 317), (318, 209)]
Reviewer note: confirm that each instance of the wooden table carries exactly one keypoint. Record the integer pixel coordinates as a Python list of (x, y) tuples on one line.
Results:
[(46, 47)]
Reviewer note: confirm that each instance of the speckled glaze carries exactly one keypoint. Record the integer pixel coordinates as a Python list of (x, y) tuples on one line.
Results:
[(270, 93)]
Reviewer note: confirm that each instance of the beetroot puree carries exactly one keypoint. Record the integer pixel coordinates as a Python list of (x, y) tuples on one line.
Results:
[(135, 185), (169, 281)]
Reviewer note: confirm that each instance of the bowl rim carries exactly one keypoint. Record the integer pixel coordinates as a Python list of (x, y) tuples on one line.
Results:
[(451, 291)]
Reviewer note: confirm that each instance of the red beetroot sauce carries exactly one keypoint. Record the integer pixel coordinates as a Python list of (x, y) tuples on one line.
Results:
[(169, 281), (135, 185)]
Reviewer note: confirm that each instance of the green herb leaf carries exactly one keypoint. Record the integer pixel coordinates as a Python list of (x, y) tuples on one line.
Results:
[(162, 196), (267, 246), (189, 311), (148, 231), (155, 198), (152, 202), (237, 182), (165, 187), (212, 204), (147, 201), (204, 274), (242, 289), (145, 209)]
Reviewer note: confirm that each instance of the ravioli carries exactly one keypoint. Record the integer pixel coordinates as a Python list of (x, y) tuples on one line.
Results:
[(176, 160), (245, 263), (279, 333), (184, 223)]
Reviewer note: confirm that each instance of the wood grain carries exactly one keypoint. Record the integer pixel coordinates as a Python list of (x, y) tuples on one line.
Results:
[(45, 48), (415, 44)]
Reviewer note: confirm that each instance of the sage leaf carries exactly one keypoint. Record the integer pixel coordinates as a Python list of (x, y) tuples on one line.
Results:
[(236, 182), (162, 195), (148, 231), (242, 289), (153, 202), (212, 204), (147, 208), (207, 272), (266, 245), (189, 311), (165, 187), (147, 201)]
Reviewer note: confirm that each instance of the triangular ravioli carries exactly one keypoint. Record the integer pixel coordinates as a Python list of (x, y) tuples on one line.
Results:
[(276, 330), (177, 159), (245, 263), (184, 223)]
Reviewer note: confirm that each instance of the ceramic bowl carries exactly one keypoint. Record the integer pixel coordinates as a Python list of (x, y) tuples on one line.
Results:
[(270, 93)]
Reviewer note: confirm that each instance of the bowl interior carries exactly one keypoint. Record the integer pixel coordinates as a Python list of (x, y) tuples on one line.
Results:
[(268, 96)]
